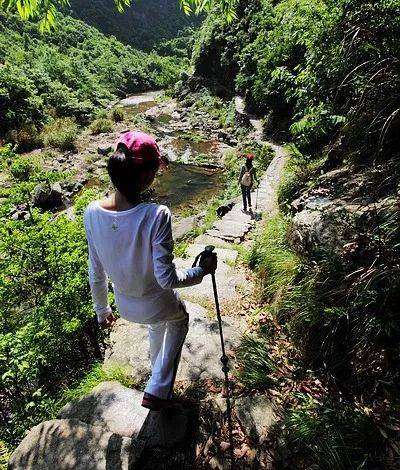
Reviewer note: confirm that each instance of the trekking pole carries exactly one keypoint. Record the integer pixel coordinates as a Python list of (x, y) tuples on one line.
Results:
[(209, 251), (257, 197)]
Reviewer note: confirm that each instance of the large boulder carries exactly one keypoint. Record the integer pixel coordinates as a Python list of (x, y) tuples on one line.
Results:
[(69, 444), (48, 196), (118, 409)]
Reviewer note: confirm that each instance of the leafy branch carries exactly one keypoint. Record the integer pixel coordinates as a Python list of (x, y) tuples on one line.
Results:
[(45, 11)]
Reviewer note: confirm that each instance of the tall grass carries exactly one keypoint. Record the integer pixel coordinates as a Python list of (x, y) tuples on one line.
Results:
[(276, 265), (255, 361), (331, 435)]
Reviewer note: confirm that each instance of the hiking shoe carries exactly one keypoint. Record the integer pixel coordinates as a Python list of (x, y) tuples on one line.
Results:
[(154, 403)]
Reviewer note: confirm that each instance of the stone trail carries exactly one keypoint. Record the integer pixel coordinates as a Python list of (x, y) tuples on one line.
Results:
[(108, 429), (129, 347)]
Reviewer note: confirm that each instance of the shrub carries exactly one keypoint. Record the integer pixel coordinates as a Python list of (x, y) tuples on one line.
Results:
[(7, 153), (101, 125), (22, 168), (26, 138), (41, 351), (118, 114), (61, 133)]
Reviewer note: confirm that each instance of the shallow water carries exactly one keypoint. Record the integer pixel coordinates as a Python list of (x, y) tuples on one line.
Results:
[(183, 187)]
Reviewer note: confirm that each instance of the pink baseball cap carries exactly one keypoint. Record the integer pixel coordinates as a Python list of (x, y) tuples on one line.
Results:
[(143, 147)]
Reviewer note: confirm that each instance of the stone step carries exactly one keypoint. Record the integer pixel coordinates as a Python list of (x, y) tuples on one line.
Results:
[(200, 359), (206, 239), (228, 279), (223, 254)]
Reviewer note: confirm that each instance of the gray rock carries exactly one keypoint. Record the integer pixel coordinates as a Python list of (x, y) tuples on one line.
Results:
[(20, 215), (257, 415), (69, 444), (200, 359), (47, 196), (118, 409), (321, 229), (182, 227), (104, 149)]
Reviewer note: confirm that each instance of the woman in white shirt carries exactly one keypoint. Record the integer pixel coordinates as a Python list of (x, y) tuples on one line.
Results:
[(130, 243)]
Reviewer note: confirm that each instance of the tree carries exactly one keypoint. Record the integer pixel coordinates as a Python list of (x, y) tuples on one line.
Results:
[(46, 10)]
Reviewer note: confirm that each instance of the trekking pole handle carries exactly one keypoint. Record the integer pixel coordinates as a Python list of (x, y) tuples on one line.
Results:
[(208, 251)]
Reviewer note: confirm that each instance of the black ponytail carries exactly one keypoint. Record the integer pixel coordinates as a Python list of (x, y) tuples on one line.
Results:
[(125, 173)]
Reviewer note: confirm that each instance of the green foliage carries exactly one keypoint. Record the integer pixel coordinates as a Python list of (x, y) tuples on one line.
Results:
[(53, 75), (47, 325), (216, 107), (316, 67), (5, 455), (22, 168), (60, 133), (192, 136), (179, 46), (277, 266), (7, 154), (91, 379), (180, 249), (143, 26), (101, 125), (45, 10), (299, 173), (333, 436)]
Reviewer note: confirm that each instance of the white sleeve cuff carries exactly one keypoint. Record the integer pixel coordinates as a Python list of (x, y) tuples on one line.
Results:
[(103, 313)]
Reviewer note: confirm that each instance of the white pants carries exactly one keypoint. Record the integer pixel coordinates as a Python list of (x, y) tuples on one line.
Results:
[(166, 341)]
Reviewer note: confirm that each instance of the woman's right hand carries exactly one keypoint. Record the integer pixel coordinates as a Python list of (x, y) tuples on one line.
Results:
[(208, 263)]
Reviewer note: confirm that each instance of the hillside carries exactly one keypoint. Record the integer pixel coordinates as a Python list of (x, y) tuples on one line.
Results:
[(143, 25), (69, 72)]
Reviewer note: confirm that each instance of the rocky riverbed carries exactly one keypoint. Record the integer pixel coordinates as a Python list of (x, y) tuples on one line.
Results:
[(193, 140)]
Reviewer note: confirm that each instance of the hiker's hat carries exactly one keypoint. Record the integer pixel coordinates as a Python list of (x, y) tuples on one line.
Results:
[(143, 147)]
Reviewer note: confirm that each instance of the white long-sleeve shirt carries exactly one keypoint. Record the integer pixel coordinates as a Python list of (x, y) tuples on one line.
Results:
[(133, 248)]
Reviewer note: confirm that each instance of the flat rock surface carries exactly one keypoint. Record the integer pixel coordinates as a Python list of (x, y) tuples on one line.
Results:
[(182, 227), (257, 415), (68, 444), (118, 409), (201, 352), (229, 280)]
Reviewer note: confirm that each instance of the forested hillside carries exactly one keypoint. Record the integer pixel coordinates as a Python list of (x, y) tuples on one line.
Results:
[(145, 24), (71, 71), (320, 348)]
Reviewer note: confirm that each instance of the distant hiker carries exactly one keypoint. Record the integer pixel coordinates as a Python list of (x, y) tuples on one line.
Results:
[(130, 243), (247, 177)]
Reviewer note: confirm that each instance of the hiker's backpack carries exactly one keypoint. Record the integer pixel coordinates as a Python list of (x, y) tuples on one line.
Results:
[(246, 179)]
